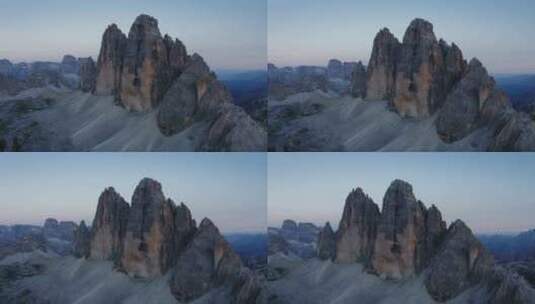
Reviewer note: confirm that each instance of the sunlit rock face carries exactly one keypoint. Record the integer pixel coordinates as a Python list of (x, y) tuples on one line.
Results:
[(415, 75), (400, 233), (147, 71), (419, 71), (138, 69), (357, 230), (110, 62), (109, 226), (382, 66), (149, 240)]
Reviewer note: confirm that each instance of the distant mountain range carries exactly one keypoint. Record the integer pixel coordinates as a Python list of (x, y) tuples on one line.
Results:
[(511, 248), (520, 88)]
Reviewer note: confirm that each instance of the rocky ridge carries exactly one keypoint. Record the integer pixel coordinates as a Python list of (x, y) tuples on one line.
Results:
[(298, 238), (406, 239), (423, 77), (153, 236), (147, 71), (337, 76)]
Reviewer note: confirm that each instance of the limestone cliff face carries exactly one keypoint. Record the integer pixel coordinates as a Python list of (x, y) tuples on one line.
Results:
[(149, 241), (155, 236), (419, 71), (406, 240), (415, 75), (147, 71), (140, 68), (382, 66), (357, 230), (109, 226), (400, 232), (110, 62)]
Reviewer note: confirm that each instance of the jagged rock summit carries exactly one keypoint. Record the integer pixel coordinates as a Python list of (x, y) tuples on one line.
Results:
[(417, 74), (138, 69), (405, 239), (146, 71), (154, 236), (423, 77)]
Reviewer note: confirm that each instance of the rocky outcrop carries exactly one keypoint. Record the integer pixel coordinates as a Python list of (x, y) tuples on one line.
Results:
[(415, 75), (277, 243), (82, 241), (63, 230), (109, 226), (335, 69), (307, 232), (110, 62), (289, 230), (515, 131), (419, 73), (381, 72), (197, 95), (398, 251), (289, 225), (50, 226), (206, 263), (149, 241), (247, 289), (435, 229), (357, 230), (147, 71), (155, 236), (184, 227), (70, 65), (6, 67), (461, 263), (234, 130), (139, 69), (508, 287), (474, 100), (358, 81), (349, 67), (326, 243), (88, 74), (286, 81)]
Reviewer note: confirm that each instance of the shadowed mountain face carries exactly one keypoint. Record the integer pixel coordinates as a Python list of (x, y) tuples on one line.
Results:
[(404, 252), (170, 100), (442, 102)]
